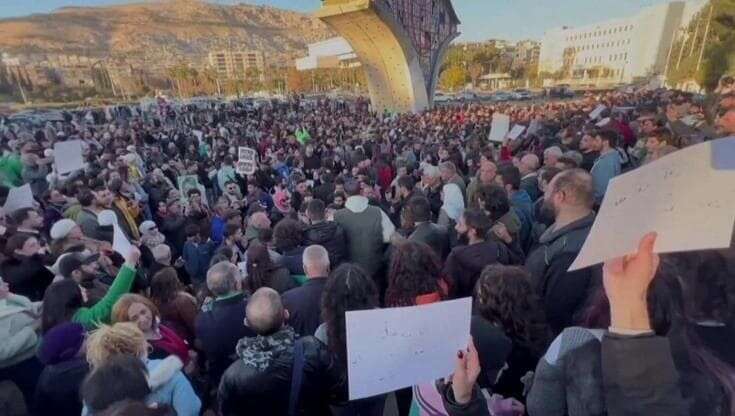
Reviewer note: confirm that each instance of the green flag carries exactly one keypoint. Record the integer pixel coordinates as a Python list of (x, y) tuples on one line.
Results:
[(302, 135)]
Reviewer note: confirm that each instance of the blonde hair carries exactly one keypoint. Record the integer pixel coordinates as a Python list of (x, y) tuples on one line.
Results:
[(120, 309), (110, 340)]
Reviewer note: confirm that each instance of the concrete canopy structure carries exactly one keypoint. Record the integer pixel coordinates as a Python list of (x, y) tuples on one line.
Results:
[(400, 43)]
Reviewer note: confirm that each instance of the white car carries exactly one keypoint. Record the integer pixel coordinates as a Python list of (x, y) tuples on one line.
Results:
[(440, 97), (467, 96)]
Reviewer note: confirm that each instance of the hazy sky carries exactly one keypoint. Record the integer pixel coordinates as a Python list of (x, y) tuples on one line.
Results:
[(481, 19)]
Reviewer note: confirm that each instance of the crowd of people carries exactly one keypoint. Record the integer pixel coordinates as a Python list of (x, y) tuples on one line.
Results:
[(233, 298)]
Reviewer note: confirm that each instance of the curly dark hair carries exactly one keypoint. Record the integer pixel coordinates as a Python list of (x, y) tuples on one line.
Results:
[(414, 270), (494, 201), (504, 296), (165, 285), (287, 234), (259, 267), (348, 288)]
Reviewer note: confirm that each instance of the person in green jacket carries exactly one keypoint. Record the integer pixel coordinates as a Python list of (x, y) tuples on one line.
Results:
[(11, 170), (63, 300)]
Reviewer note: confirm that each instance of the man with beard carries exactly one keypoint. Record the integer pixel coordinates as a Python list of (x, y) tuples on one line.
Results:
[(86, 271), (466, 262), (94, 201), (570, 195)]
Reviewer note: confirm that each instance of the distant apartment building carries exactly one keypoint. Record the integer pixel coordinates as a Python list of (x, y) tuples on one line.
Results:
[(617, 50), (526, 53), (235, 64), (331, 53)]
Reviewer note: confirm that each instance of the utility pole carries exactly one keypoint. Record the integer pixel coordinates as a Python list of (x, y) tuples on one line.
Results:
[(706, 33), (20, 87)]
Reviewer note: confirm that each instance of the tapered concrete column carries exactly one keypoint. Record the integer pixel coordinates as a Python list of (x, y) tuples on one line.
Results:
[(396, 79)]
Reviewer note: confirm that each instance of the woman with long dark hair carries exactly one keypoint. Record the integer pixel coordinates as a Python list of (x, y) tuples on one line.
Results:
[(178, 308), (348, 288), (682, 331), (505, 299), (414, 276), (262, 271)]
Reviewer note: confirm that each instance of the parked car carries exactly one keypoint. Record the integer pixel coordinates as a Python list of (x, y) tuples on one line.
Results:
[(521, 94), (440, 97), (561, 91), (467, 96), (501, 96)]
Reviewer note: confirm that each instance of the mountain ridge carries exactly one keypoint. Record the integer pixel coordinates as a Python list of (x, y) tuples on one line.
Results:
[(169, 27)]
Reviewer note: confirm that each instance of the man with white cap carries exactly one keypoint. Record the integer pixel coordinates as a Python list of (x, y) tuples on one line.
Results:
[(431, 185), (66, 234)]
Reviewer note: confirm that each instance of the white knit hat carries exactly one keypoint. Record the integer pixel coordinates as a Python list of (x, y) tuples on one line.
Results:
[(146, 226), (61, 228)]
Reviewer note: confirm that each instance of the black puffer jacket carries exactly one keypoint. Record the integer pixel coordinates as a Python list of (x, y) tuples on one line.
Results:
[(259, 382), (465, 263), (331, 236)]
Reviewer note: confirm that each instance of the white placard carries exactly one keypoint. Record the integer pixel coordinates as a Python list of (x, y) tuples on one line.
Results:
[(68, 156), (18, 197), (680, 196), (534, 127), (389, 349), (245, 167), (120, 243), (499, 127), (597, 111), (604, 122), (516, 131), (246, 154)]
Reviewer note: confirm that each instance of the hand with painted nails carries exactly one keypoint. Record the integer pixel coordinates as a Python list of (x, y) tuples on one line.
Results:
[(466, 371)]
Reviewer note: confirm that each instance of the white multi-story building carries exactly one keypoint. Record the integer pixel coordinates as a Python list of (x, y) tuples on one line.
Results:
[(329, 53), (617, 50)]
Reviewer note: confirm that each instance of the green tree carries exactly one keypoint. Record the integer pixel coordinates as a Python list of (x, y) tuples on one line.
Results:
[(453, 78)]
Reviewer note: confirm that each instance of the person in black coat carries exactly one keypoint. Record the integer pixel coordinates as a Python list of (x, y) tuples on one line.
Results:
[(57, 391), (562, 292), (260, 379), (327, 234), (465, 263), (425, 231), (23, 270), (219, 326), (304, 303)]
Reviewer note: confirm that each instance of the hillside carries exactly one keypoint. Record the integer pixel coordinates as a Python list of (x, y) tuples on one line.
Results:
[(162, 29)]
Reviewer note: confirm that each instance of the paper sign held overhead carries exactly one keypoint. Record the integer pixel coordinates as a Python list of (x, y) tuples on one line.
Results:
[(246, 154), (516, 131), (407, 346), (120, 243), (68, 156), (499, 127), (597, 112), (245, 167), (19, 197), (681, 196)]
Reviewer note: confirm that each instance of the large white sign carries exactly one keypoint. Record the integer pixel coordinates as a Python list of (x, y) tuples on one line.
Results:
[(389, 349), (687, 197)]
